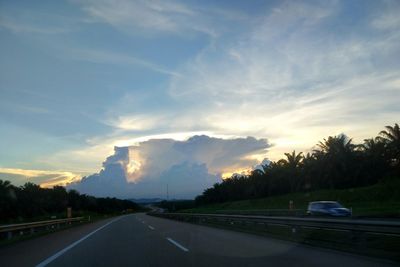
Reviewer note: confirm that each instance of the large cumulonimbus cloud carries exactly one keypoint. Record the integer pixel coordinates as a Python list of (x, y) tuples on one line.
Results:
[(185, 167)]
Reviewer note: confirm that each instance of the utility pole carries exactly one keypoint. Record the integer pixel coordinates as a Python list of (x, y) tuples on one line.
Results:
[(167, 193)]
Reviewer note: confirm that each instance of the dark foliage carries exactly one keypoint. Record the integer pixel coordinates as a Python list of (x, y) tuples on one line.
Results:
[(174, 205), (30, 200), (335, 163)]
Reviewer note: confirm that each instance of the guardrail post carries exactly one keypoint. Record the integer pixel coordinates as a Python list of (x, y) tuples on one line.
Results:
[(295, 232), (32, 231), (9, 235)]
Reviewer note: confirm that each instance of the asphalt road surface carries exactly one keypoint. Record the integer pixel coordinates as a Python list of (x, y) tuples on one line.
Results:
[(142, 240)]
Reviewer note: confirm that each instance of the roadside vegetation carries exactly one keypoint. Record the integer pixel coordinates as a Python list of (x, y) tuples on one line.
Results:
[(379, 200), (30, 202), (363, 176)]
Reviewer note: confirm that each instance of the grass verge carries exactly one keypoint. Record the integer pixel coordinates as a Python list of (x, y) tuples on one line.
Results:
[(380, 200)]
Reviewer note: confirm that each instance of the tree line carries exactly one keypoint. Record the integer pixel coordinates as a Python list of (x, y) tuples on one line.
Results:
[(335, 163), (31, 200)]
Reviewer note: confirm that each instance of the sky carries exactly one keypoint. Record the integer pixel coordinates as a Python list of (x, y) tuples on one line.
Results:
[(133, 96)]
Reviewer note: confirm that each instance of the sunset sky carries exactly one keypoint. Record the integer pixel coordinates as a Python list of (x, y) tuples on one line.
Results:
[(190, 89)]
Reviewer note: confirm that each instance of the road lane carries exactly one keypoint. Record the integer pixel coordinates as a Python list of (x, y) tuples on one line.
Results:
[(177, 244), (66, 249), (131, 242), (142, 240), (31, 252), (126, 242), (215, 247)]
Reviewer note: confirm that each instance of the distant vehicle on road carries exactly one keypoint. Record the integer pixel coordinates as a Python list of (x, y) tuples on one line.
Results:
[(327, 208)]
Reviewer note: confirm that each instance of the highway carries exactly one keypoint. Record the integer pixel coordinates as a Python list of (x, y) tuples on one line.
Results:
[(142, 240)]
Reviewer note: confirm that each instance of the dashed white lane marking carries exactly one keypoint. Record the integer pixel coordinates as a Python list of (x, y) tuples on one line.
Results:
[(151, 227), (177, 244), (58, 254)]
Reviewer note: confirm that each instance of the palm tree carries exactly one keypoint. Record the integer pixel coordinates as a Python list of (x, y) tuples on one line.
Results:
[(335, 156), (4, 185), (6, 189), (336, 144), (375, 161), (293, 160), (291, 165), (392, 134), (7, 199), (311, 171), (373, 147), (391, 137)]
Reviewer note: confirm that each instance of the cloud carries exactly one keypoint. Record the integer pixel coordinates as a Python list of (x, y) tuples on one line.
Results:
[(25, 27), (135, 122), (186, 180), (156, 15), (293, 79), (109, 57), (111, 180), (43, 177), (188, 166), (388, 19), (36, 20), (161, 16), (295, 73)]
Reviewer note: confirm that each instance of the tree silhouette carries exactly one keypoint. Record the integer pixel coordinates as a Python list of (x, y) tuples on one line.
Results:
[(30, 201), (334, 163), (391, 137), (293, 161), (292, 164), (336, 155)]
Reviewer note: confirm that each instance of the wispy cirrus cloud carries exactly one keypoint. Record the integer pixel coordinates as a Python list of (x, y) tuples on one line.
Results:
[(158, 15), (134, 123), (19, 27), (109, 57), (176, 17), (290, 79), (37, 22), (388, 19)]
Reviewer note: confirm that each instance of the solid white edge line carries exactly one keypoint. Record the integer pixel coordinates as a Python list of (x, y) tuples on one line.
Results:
[(177, 244), (151, 227), (58, 254)]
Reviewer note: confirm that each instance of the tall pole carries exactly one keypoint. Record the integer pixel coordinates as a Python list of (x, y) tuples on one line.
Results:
[(167, 193)]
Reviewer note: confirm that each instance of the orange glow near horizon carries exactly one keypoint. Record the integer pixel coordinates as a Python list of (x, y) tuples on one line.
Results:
[(227, 175), (57, 177)]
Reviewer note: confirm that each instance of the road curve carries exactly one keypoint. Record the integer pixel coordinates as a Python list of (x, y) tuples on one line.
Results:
[(142, 240)]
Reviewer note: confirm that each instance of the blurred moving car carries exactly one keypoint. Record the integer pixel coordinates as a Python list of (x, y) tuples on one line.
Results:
[(327, 208)]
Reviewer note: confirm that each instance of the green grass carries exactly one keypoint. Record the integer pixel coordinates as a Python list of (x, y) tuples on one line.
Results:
[(380, 200)]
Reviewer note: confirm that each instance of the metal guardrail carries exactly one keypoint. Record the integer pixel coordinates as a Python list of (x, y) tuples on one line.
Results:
[(354, 225), (264, 212), (10, 228)]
